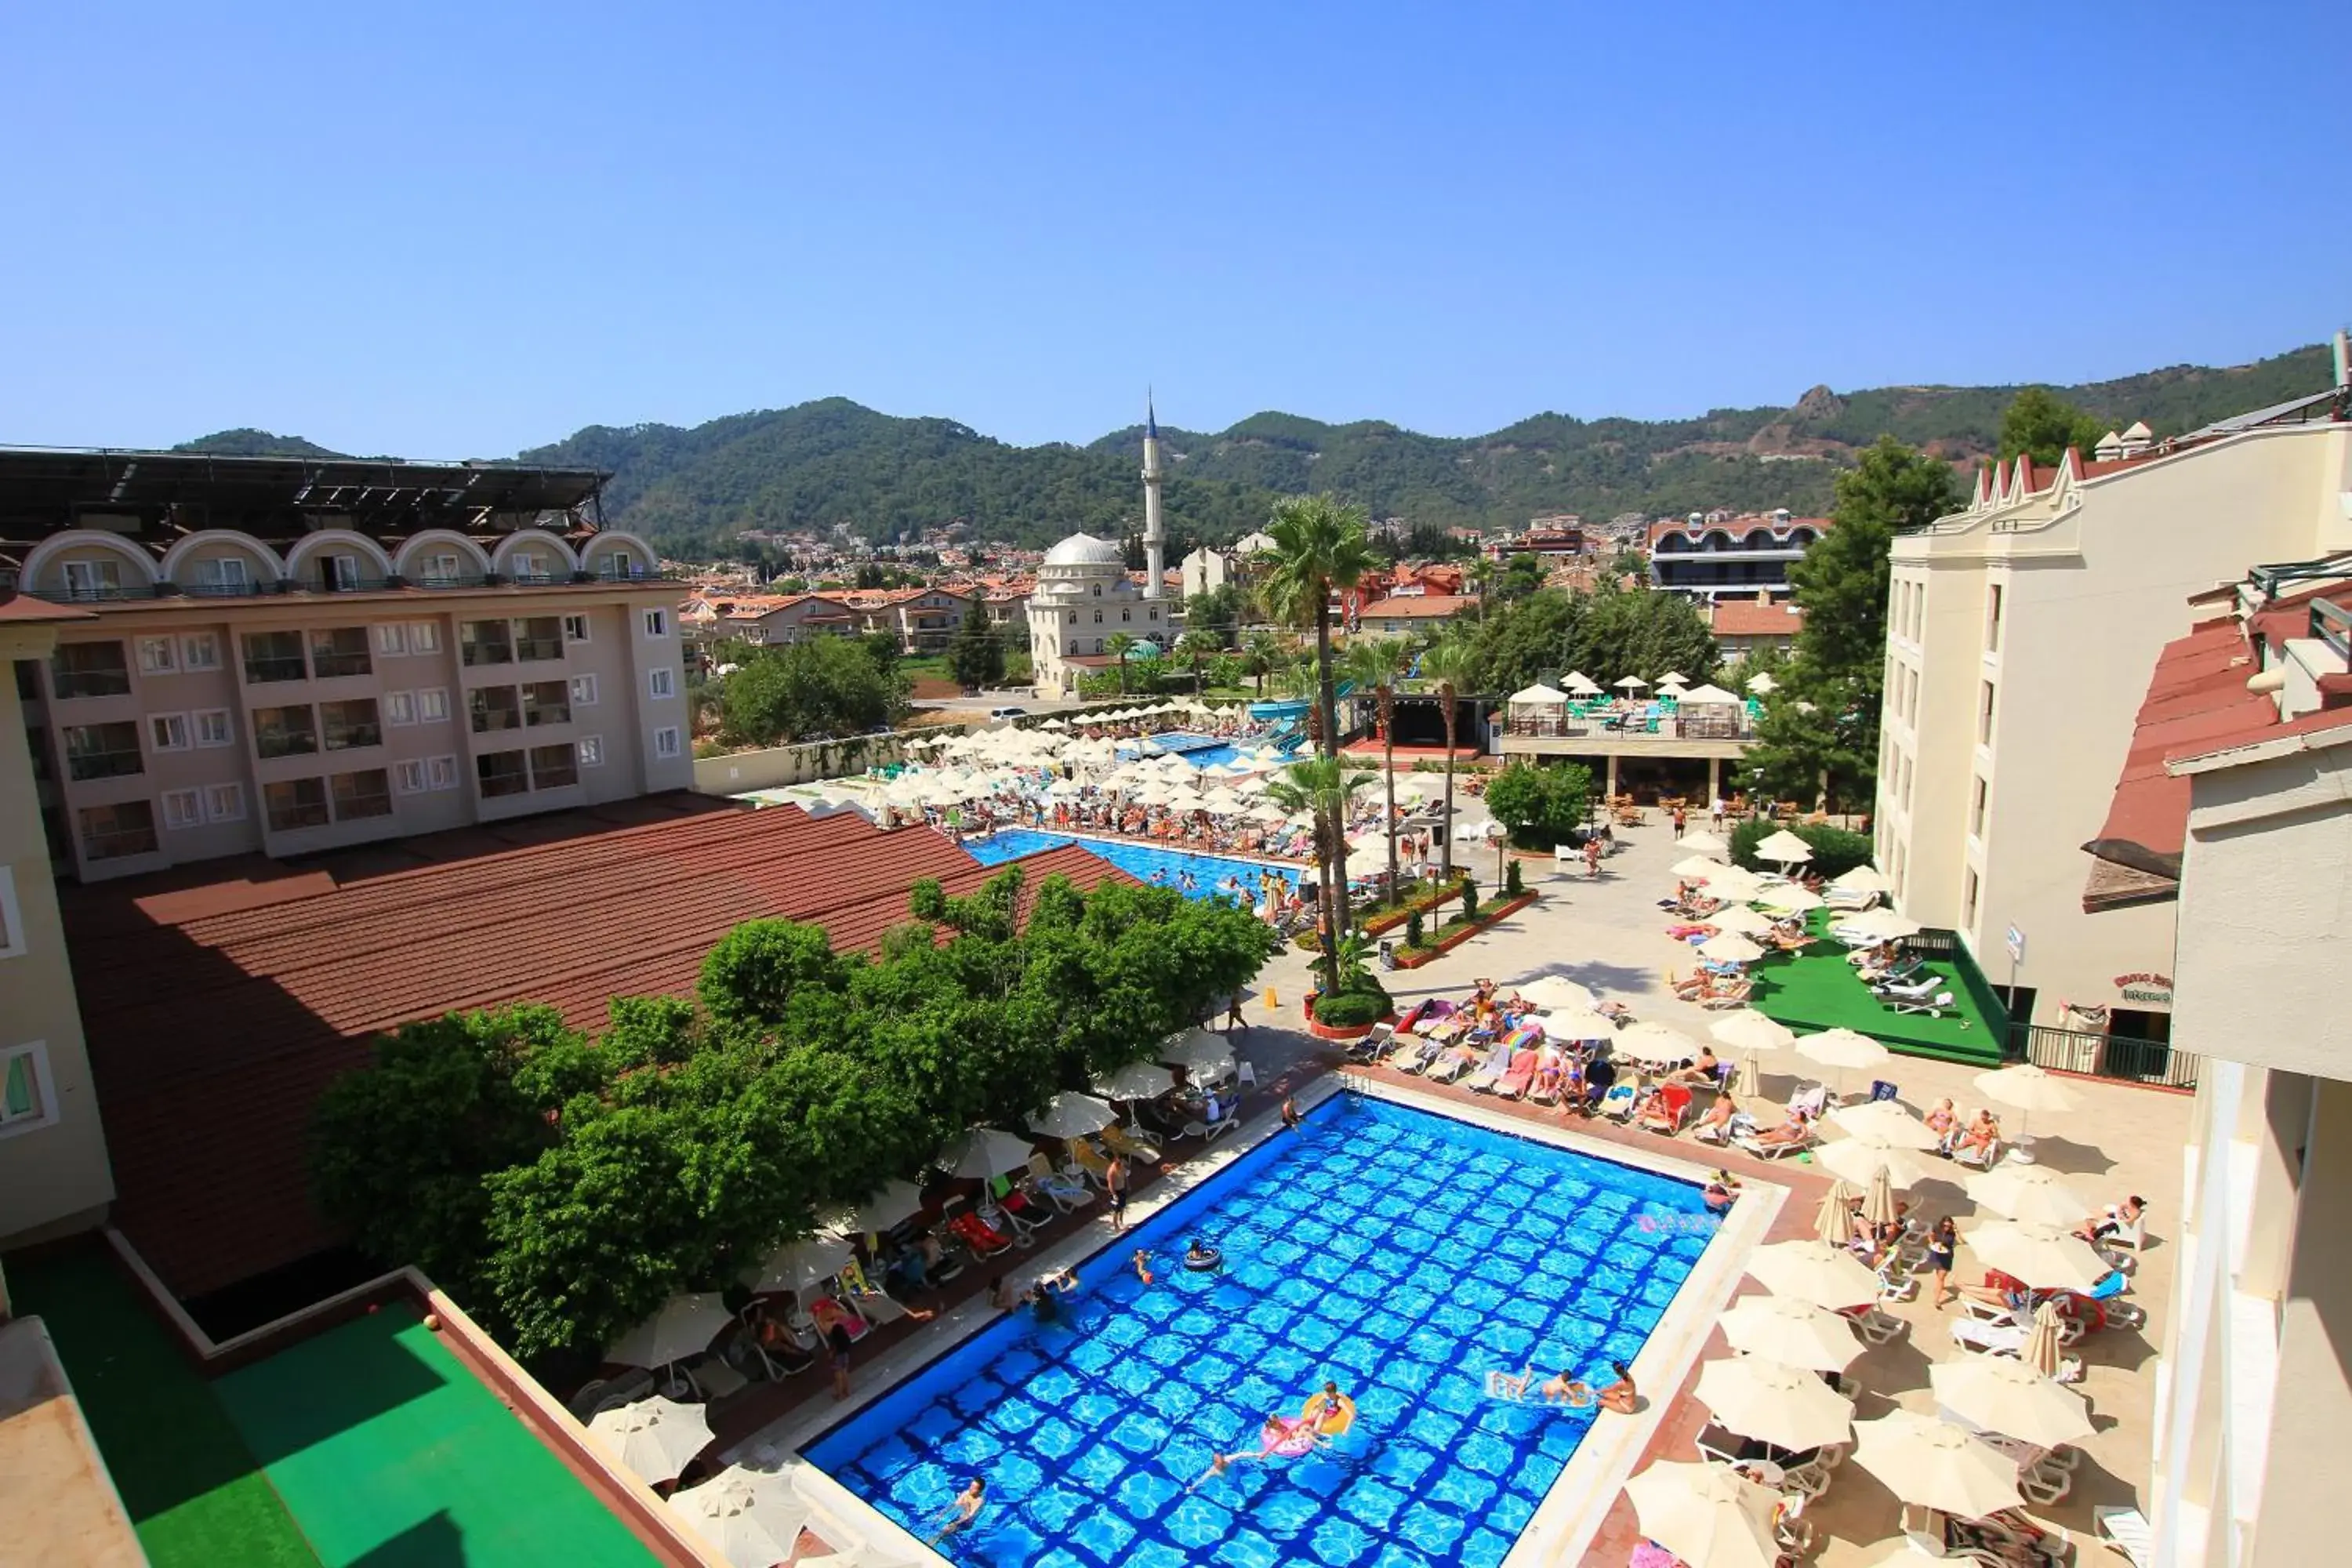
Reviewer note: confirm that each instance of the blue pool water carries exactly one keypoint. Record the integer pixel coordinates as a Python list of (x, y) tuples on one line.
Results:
[(1399, 1254), (1140, 861), (1208, 756)]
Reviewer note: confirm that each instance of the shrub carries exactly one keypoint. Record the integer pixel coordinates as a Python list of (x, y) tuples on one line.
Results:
[(1414, 927), (1469, 899), (1540, 804), (1351, 1009), (1514, 883), (1835, 851)]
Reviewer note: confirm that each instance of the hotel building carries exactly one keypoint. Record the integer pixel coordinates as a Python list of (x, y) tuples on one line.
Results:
[(291, 655), (1708, 555)]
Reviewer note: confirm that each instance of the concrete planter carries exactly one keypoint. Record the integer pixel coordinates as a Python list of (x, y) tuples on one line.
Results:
[(1414, 958), (1323, 1031)]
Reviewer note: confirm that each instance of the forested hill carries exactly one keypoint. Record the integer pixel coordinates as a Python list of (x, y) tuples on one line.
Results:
[(832, 461)]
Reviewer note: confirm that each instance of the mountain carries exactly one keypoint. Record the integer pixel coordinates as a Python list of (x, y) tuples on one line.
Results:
[(884, 478), (252, 443)]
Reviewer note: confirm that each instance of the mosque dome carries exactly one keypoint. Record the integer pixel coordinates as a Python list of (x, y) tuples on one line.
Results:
[(1086, 549)]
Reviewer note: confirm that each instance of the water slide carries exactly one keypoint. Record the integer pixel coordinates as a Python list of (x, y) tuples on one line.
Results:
[(1290, 718)]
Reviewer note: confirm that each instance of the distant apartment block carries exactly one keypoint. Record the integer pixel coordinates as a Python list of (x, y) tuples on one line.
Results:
[(293, 654), (1709, 555)]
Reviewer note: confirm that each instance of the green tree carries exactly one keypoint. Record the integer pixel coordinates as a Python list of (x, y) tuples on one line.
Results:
[(1216, 614), (1375, 664), (2040, 425), (1322, 787), (1120, 645), (1521, 574), (749, 980), (1444, 666), (1196, 648), (1541, 805), (1519, 644), (975, 654), (825, 685), (1262, 653)]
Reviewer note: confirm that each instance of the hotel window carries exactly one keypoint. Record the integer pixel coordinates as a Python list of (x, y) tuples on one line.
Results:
[(440, 571), (540, 637), (494, 708), (530, 566), (408, 777), (200, 650), (225, 803), (656, 623), (213, 727), (575, 628), (295, 802), (103, 751), (1907, 784), (285, 732), (661, 683), (223, 574), (340, 650), (168, 731), (365, 793), (12, 919), (592, 752), (502, 773), (90, 669), (1984, 714), (181, 808), (110, 832), (1992, 618), (25, 1100), (665, 742), (400, 708), (350, 725), (1098, 617), (583, 692), (273, 657), (424, 636), (552, 767), (485, 642), (158, 656), (1125, 614), (442, 772), (1969, 901), (433, 705), (391, 640), (1977, 789), (92, 580), (339, 573), (547, 702)]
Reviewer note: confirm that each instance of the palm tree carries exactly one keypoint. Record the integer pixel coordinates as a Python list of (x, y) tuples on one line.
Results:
[(1446, 663), (1196, 646), (1483, 572), (1375, 663), (1321, 787), (1261, 651), (1118, 643)]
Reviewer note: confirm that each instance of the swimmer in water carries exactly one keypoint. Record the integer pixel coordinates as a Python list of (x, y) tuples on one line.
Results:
[(962, 1512), (1187, 883), (1143, 1265)]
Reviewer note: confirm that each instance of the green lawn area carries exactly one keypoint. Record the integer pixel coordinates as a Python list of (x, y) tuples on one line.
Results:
[(1817, 989)]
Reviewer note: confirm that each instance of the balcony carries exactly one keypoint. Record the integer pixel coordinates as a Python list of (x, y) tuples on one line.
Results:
[(502, 773), (296, 804), (94, 681), (284, 733), (239, 588), (495, 707), (103, 751), (350, 725), (454, 580), (110, 833), (531, 649), (100, 592), (362, 795)]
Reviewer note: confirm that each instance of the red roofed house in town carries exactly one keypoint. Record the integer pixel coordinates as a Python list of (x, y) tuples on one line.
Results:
[(1743, 625)]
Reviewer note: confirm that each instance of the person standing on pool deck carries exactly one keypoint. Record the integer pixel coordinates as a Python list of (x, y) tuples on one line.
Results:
[(836, 1340), (1234, 1019), (1115, 1184), (1290, 1113)]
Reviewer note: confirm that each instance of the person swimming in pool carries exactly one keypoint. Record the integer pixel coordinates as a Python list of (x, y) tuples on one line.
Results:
[(1187, 883), (962, 1512), (1324, 1405), (1160, 876)]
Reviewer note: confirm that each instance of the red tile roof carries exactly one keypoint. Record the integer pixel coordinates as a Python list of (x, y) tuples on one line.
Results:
[(1746, 618), (1423, 605), (220, 1000), (23, 609)]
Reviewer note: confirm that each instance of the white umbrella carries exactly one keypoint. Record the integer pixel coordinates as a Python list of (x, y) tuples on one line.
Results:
[(1576, 1024), (1631, 683), (1842, 1049), (1998, 1394), (1674, 678), (2034, 1193), (1731, 947), (1886, 1119), (896, 1200), (2042, 1340), (1699, 868), (1789, 1331), (685, 1326), (1055, 724), (1704, 843), (804, 1264), (1650, 1042), (984, 1152), (1136, 1081), (1746, 1029), (1739, 918), (1577, 680), (1734, 884), (1862, 880), (1762, 682), (1786, 1406), (1860, 1158), (653, 1437), (1816, 1272), (1879, 925), (1834, 1215), (2026, 1089), (1709, 696), (1790, 897), (754, 1517), (1878, 1202), (1071, 1115), (1554, 993), (1707, 1515), (1784, 848), (1935, 1465), (2045, 1256), (1195, 1049)]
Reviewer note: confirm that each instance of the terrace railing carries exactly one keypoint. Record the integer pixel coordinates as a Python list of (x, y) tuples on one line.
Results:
[(2115, 1056)]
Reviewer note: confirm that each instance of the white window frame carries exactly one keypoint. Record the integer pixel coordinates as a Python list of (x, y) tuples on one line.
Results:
[(661, 682), (444, 568), (441, 773), (591, 750), (197, 732), (340, 569), (530, 566), (225, 803), (169, 649), (433, 705), (583, 692), (391, 640), (424, 636), (656, 623), (45, 1115), (168, 732), (89, 579), (665, 742), (183, 809), (575, 628), (190, 660), (12, 918), (224, 572), (408, 776), (399, 708)]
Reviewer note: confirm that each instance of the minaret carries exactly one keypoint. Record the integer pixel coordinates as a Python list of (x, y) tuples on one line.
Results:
[(1155, 528)]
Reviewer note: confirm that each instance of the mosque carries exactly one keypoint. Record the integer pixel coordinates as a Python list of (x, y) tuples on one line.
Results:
[(1084, 596)]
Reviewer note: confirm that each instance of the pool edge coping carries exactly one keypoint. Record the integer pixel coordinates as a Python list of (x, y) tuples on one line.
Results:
[(1573, 1507)]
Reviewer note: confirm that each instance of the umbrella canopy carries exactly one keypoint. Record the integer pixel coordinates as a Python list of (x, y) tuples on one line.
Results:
[(2035, 1193), (1072, 1115), (1784, 848), (1790, 897), (1706, 696), (1731, 947), (1576, 1024), (1749, 1081), (1552, 992), (1880, 925), (1674, 678), (1656, 1042), (2042, 1343), (1860, 1157), (2045, 1256), (1862, 880), (653, 1437), (1631, 683), (1834, 1215), (1704, 843), (1707, 1515), (1137, 1080), (1935, 1465), (754, 1517), (1842, 1049), (1578, 681), (1734, 885), (2027, 1087), (1699, 868), (1537, 693), (1814, 1271), (803, 1264), (1196, 1048), (895, 1201), (984, 1152), (1797, 1333), (1878, 1202), (1783, 1405), (1888, 1120), (1739, 918), (1762, 681), (685, 1326), (1997, 1394)]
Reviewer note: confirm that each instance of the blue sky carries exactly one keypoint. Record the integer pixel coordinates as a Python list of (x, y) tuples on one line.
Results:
[(445, 230)]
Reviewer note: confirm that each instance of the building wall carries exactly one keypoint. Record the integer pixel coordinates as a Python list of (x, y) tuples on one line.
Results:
[(2094, 583), (54, 1174)]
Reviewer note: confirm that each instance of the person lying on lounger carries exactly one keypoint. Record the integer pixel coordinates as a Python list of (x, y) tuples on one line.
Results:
[(1795, 1130), (1701, 1070)]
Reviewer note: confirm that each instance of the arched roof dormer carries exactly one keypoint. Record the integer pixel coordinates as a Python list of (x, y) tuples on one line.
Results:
[(337, 541), (595, 555), (42, 570), (433, 542), (174, 567), (532, 540)]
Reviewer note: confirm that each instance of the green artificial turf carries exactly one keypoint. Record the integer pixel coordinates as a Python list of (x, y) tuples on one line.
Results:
[(1817, 989), (191, 1485), (394, 1456)]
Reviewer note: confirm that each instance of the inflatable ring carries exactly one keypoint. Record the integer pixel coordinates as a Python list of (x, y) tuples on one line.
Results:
[(1209, 1261), (1334, 1422)]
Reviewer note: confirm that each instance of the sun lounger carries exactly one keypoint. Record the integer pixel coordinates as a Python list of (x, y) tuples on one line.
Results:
[(1619, 1101), (2004, 1339), (2129, 1532), (1213, 1130), (1931, 1007), (1748, 1143), (981, 1239), (1812, 1098), (1877, 1326), (1119, 1139), (1088, 1160), (824, 1312), (1368, 1050), (1983, 1159), (1521, 1073), (1490, 1072), (1667, 1111)]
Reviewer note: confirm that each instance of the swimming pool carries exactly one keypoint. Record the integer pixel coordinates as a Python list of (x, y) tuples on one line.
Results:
[(1207, 756), (1402, 1254), (1140, 861)]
